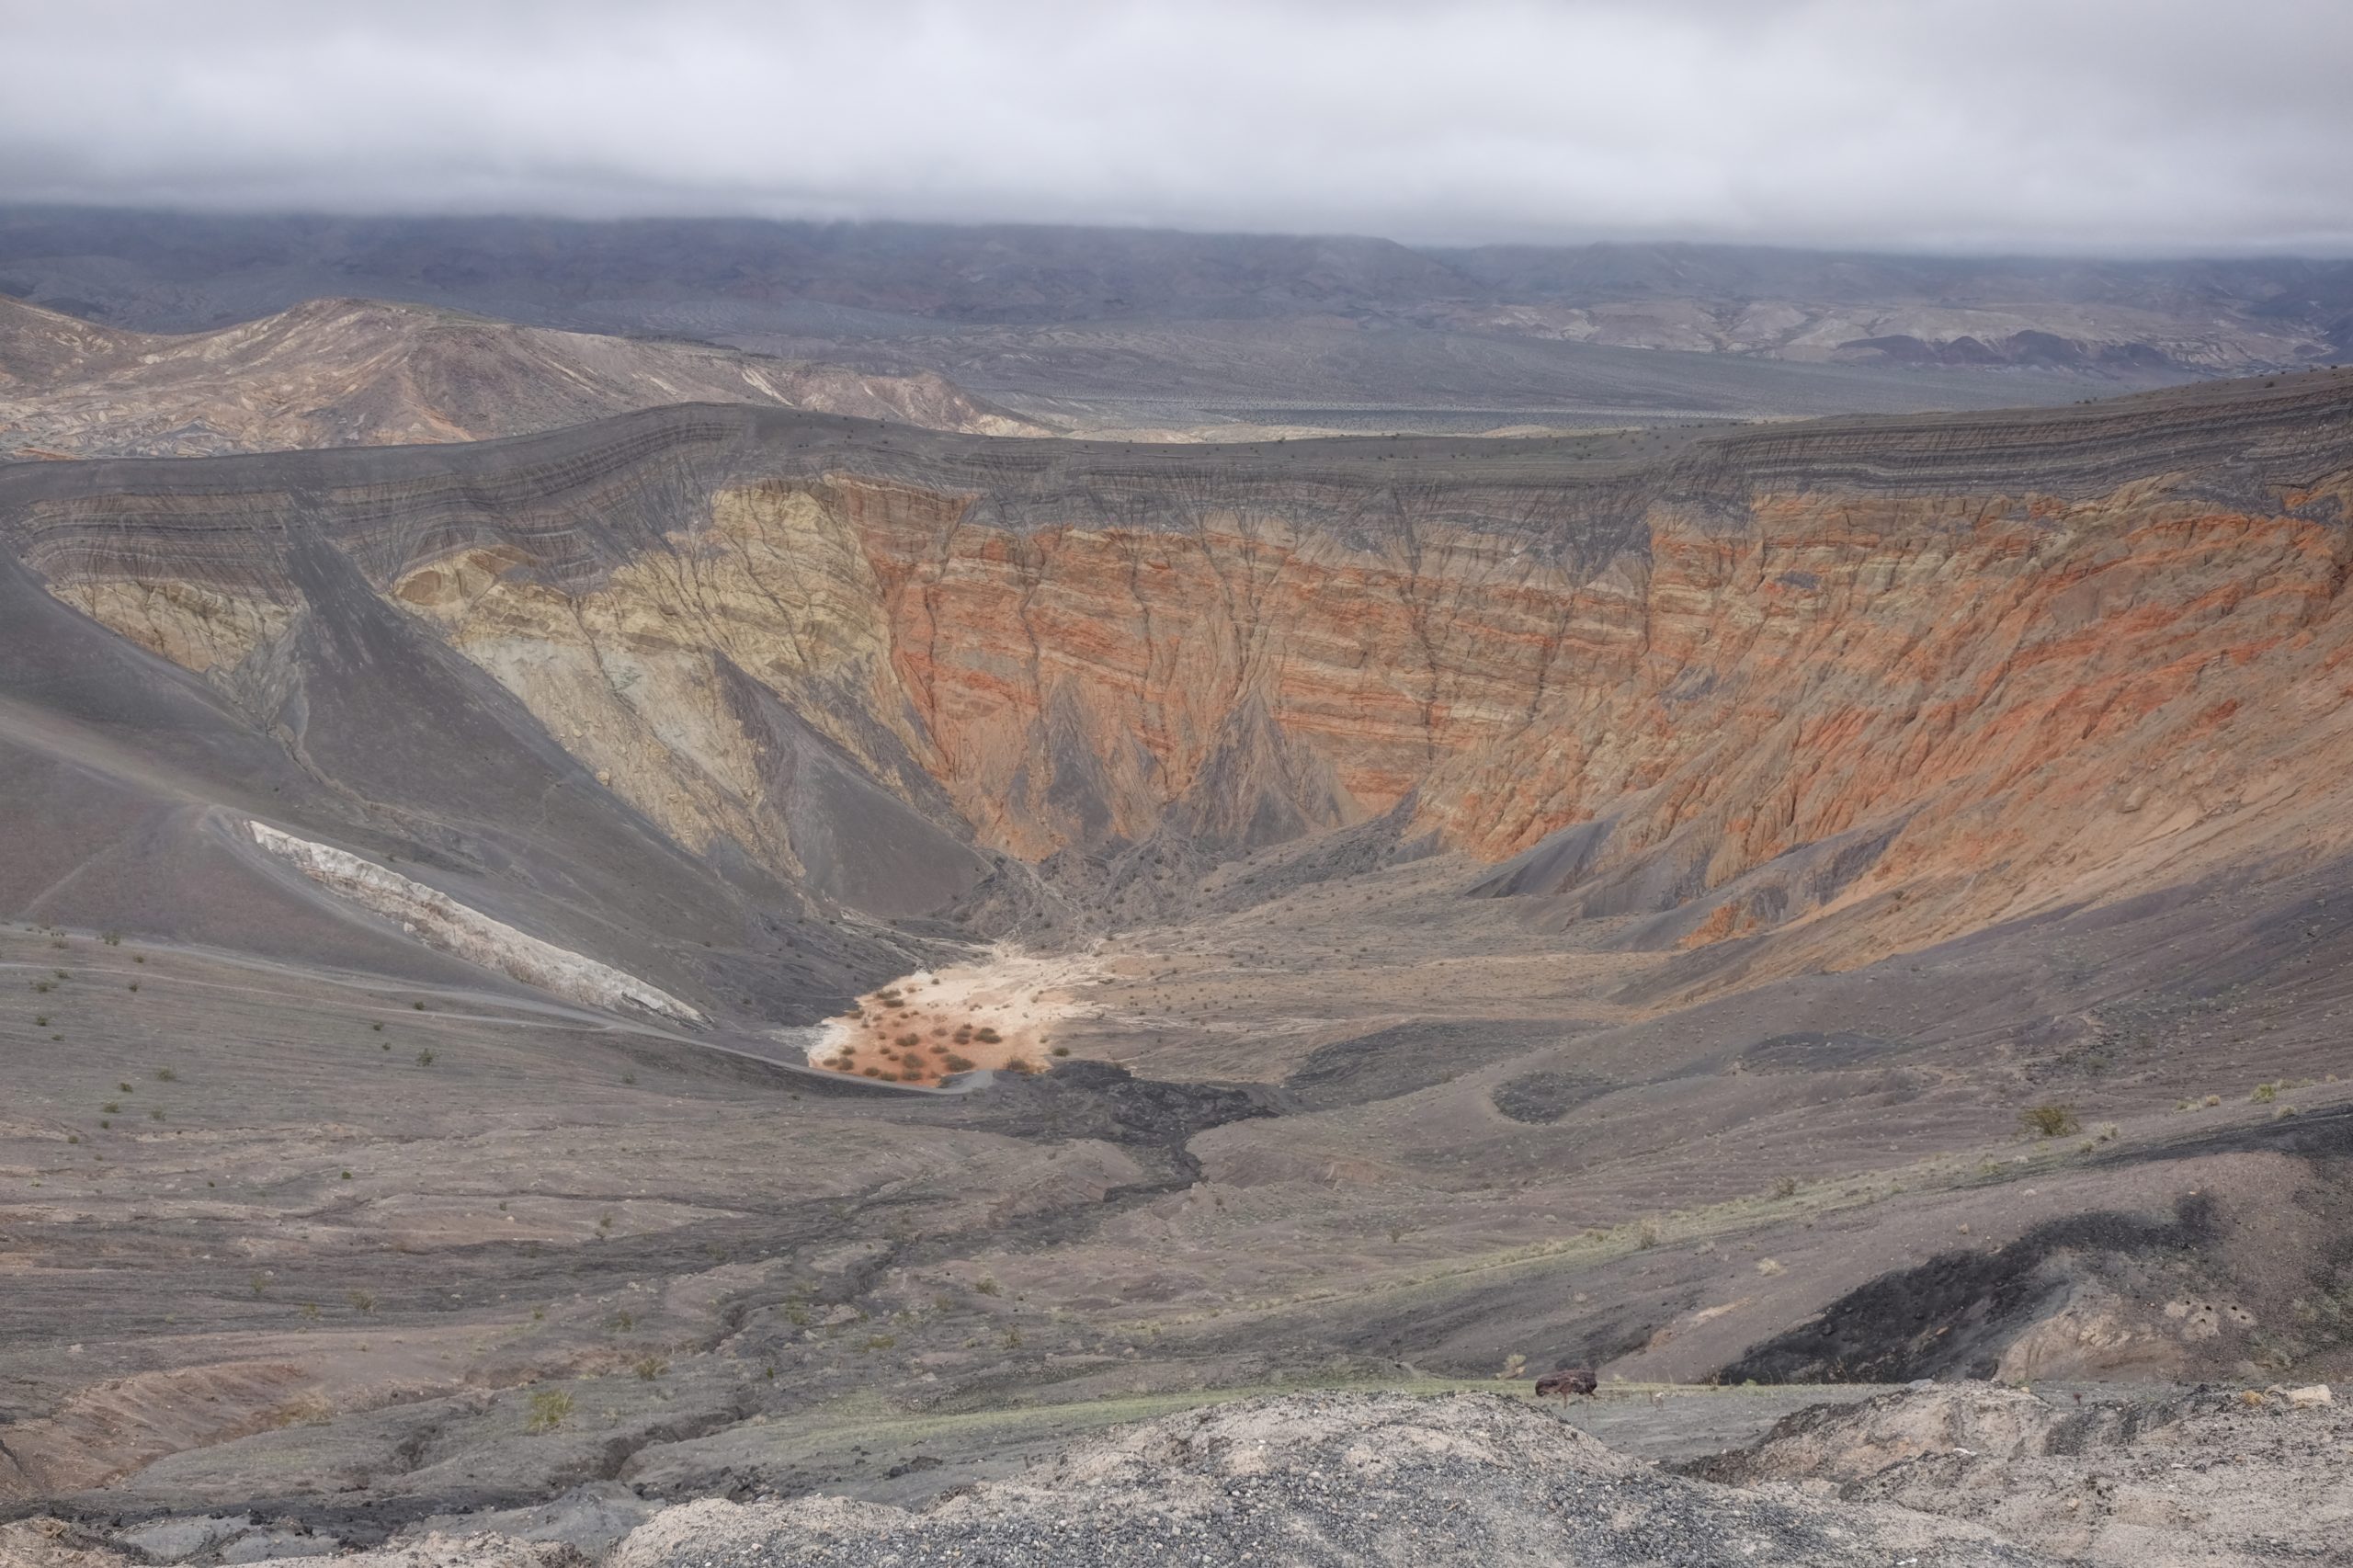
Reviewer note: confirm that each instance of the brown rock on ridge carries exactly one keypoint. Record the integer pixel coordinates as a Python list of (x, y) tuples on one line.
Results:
[(362, 372), (1952, 668)]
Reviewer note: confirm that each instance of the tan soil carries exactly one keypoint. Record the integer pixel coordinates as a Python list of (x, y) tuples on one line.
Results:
[(999, 1013)]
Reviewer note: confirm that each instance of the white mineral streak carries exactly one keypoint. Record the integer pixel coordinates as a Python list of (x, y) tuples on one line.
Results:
[(439, 921)]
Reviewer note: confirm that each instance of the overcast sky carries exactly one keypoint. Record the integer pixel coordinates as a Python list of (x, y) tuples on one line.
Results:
[(2125, 125)]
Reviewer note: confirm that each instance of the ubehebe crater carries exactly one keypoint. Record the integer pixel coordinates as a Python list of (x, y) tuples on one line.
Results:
[(730, 952)]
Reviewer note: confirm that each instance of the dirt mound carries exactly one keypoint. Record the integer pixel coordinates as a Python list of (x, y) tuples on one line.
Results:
[(1852, 1443), (2245, 1478), (1323, 1478)]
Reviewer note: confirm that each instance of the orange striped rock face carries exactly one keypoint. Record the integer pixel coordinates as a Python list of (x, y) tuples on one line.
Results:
[(2029, 696)]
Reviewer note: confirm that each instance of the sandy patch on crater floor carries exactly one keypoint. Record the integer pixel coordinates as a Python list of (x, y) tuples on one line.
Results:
[(929, 1025)]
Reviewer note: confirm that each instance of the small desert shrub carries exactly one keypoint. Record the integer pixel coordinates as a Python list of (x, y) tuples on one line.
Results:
[(418, 1005), (2212, 1100), (649, 1367), (955, 1063), (40, 1020), (1062, 1051), (881, 1341), (1769, 1266), (378, 1027), (985, 1285), (1785, 1186), (165, 1075), (425, 1058), (1646, 1235), (549, 1409), (605, 1222), (2264, 1094), (906, 1041), (112, 938), (2049, 1121), (988, 1037), (361, 1302)]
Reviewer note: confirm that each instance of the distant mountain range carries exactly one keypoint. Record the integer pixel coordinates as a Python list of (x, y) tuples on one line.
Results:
[(1142, 329)]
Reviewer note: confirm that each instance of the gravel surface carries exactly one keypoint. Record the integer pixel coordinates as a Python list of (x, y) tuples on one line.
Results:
[(1338, 1479)]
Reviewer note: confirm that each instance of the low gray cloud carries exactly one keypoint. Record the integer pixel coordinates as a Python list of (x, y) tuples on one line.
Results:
[(2083, 125)]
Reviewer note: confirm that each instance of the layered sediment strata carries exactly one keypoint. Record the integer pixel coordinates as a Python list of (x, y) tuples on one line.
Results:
[(1979, 662)]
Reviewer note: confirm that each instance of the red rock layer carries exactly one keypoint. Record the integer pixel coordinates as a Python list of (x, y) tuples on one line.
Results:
[(2032, 690)]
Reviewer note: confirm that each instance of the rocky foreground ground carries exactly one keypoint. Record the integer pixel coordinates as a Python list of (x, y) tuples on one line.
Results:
[(1941, 1476)]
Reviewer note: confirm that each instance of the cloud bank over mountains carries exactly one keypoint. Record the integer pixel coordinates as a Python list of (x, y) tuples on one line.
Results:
[(2072, 125)]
